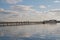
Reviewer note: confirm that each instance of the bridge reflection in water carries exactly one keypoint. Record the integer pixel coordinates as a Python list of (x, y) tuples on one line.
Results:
[(28, 23)]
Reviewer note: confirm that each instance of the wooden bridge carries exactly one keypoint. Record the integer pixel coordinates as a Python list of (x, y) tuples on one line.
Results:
[(18, 23), (28, 23)]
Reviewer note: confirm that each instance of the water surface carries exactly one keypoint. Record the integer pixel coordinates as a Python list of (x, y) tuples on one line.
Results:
[(31, 32)]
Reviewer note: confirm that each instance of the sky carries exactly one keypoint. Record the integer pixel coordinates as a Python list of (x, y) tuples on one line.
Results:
[(29, 10)]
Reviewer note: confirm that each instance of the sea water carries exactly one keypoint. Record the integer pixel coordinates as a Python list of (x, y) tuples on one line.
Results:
[(30, 32)]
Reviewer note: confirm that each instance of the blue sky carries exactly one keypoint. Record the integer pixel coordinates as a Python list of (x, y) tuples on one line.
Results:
[(48, 4), (31, 9)]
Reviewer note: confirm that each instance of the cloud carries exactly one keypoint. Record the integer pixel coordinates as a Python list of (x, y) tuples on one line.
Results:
[(20, 13), (27, 13), (13, 1), (1, 9), (54, 9), (42, 6), (54, 14), (8, 15), (21, 8), (56, 1)]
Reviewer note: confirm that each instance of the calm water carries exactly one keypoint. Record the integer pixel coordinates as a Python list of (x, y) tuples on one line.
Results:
[(31, 32)]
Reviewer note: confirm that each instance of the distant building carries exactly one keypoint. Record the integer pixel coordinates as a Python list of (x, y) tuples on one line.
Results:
[(50, 21)]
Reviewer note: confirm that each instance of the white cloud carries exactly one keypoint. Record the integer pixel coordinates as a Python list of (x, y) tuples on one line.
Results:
[(21, 8), (13, 1), (27, 13), (24, 9), (20, 13), (55, 9), (56, 1), (54, 14), (1, 9), (42, 6), (6, 15)]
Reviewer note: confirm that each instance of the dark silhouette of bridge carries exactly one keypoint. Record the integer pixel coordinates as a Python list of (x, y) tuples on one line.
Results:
[(28, 23), (18, 23)]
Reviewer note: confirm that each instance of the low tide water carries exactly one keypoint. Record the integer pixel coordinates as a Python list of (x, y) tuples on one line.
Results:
[(31, 32)]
